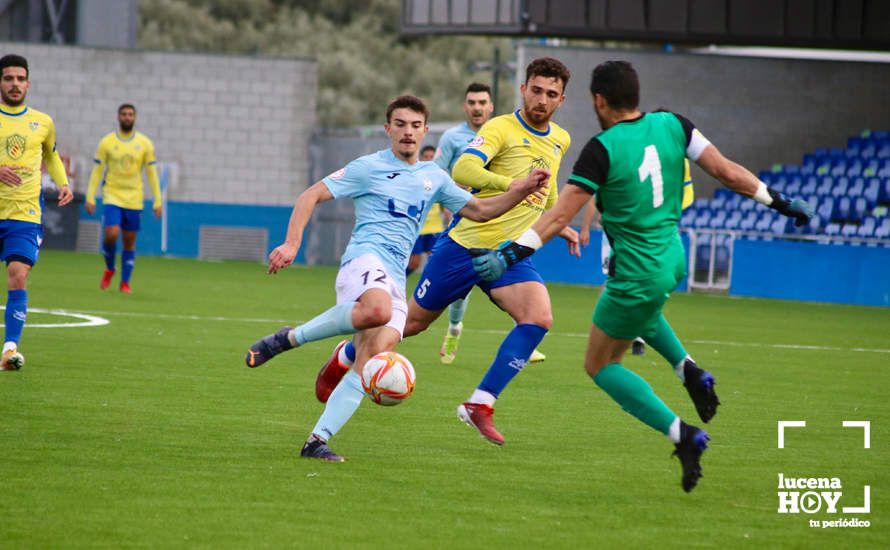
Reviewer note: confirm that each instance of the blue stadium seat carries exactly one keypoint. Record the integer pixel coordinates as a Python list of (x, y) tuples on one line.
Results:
[(809, 185), (688, 217), (747, 205), (849, 230), (871, 168), (868, 152), (733, 202), (748, 221), (790, 169), (766, 177), (840, 187), (867, 229), (882, 231), (855, 168), (842, 210), (857, 186), (723, 193), (702, 219), (815, 225), (883, 151), (871, 191), (826, 208), (733, 220), (838, 167), (860, 209), (794, 185), (764, 222), (717, 203), (826, 184), (833, 229), (779, 226), (717, 220)]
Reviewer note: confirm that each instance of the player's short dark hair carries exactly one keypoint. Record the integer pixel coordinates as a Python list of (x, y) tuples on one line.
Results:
[(407, 102), (478, 87), (13, 60), (427, 148), (126, 106), (617, 81), (549, 67)]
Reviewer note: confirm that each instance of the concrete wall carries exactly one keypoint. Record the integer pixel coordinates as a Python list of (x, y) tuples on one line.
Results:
[(238, 127), (757, 111)]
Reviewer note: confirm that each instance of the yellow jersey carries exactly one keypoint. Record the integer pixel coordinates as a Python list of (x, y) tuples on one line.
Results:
[(27, 139), (688, 191), (509, 148), (124, 156), (434, 222)]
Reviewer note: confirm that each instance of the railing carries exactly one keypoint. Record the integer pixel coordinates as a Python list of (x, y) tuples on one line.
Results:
[(716, 273)]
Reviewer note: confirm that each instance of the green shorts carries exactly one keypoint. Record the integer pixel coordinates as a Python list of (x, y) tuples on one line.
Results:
[(627, 309)]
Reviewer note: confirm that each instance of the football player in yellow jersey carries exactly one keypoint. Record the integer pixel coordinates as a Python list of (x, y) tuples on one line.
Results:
[(123, 154), (431, 228), (506, 148), (27, 140)]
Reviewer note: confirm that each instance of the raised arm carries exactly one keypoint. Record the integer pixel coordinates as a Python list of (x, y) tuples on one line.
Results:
[(482, 210), (285, 253), (742, 181)]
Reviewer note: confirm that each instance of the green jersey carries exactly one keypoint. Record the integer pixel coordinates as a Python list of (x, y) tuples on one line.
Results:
[(636, 169)]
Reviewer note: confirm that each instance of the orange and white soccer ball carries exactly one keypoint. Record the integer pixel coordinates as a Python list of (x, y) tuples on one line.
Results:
[(388, 378)]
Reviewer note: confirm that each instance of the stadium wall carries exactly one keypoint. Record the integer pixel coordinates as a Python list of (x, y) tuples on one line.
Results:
[(238, 127), (758, 111)]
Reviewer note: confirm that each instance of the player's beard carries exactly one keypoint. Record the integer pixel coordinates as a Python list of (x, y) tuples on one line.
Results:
[(127, 127), (11, 102)]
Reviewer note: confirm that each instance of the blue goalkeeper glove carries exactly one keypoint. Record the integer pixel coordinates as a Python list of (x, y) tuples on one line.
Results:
[(798, 209), (490, 265)]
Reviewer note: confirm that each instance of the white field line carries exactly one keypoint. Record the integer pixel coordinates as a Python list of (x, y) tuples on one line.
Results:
[(88, 314)]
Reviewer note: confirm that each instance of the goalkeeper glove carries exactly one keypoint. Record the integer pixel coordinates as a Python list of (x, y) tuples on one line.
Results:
[(490, 265), (798, 209)]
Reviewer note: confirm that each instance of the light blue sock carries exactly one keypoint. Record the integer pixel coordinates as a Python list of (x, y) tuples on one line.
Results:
[(128, 262), (16, 311), (108, 252), (337, 320), (457, 309), (342, 404)]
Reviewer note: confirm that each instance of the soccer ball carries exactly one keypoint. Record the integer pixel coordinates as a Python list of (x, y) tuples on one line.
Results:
[(388, 378)]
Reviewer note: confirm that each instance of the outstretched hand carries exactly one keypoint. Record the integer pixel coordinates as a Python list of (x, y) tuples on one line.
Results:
[(282, 257), (798, 209)]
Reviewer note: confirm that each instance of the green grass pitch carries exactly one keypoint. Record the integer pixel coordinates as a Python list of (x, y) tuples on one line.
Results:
[(150, 432)]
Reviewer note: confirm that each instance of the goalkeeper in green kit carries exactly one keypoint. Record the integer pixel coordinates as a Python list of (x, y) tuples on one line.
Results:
[(635, 168)]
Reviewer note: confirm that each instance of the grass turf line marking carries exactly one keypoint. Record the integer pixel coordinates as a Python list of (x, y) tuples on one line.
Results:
[(484, 331), (86, 320)]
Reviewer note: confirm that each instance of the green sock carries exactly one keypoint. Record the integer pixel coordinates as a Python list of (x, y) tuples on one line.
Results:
[(664, 340), (635, 396)]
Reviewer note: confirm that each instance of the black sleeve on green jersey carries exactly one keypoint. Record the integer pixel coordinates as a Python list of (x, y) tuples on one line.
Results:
[(688, 127), (592, 167)]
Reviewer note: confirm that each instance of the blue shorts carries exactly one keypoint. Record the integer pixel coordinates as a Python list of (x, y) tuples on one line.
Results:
[(449, 276), (127, 218), (425, 243), (20, 241)]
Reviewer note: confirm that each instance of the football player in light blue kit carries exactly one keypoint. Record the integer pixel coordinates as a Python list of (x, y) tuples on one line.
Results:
[(392, 193), (478, 108)]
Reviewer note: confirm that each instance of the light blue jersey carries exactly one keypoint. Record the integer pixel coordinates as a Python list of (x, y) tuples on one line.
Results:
[(392, 199), (452, 144)]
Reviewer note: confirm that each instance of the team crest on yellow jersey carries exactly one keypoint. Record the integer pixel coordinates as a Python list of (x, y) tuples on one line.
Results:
[(15, 146), (33, 125)]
